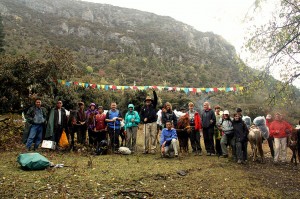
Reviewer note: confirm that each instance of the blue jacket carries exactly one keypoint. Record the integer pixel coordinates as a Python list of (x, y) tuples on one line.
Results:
[(167, 135)]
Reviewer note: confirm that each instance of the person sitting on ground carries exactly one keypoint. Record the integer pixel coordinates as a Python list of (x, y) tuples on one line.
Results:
[(168, 141)]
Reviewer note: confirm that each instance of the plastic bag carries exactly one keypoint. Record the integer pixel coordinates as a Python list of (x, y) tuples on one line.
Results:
[(63, 141), (33, 161)]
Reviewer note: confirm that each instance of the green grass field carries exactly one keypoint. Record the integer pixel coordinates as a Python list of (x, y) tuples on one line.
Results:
[(147, 176)]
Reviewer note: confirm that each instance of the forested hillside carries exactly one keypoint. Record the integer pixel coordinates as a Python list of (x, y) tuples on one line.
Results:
[(112, 45)]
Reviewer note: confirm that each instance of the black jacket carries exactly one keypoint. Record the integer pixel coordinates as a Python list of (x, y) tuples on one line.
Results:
[(149, 112), (206, 116), (240, 130)]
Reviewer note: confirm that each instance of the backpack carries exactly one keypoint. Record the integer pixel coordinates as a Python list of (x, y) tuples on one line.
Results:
[(230, 132)]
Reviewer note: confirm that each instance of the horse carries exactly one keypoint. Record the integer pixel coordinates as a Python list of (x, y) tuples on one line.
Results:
[(183, 129), (255, 138), (293, 145)]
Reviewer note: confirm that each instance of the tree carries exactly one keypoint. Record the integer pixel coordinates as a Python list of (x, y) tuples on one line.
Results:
[(1, 36), (279, 40)]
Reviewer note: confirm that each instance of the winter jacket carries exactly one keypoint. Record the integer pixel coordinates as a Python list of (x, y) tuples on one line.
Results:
[(167, 135), (169, 116), (90, 116), (196, 121), (227, 126), (53, 121), (112, 114), (149, 112), (29, 116), (100, 122), (281, 126), (240, 130), (206, 116), (129, 116)]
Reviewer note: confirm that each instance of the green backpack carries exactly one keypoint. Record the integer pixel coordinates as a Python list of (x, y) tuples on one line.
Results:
[(33, 161)]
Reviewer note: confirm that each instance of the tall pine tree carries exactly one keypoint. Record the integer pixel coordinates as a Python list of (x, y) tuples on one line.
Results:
[(1, 36)]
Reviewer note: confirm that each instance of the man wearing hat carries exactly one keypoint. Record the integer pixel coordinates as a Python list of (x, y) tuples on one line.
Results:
[(148, 118)]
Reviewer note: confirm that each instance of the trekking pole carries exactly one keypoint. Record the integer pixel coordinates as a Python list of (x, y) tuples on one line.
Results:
[(145, 129), (114, 138)]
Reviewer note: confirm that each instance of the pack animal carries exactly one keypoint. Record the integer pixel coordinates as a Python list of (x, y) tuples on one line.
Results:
[(293, 145), (183, 129), (255, 139)]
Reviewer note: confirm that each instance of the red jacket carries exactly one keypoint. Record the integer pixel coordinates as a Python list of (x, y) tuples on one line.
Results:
[(281, 127), (198, 123), (100, 122)]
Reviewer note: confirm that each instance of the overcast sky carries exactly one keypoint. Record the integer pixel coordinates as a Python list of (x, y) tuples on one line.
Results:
[(222, 17)]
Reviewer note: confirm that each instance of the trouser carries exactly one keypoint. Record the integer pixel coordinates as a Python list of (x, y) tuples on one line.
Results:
[(93, 137), (228, 141), (241, 150), (271, 145), (218, 146), (72, 131), (114, 138), (280, 149), (57, 133), (150, 130), (131, 137), (195, 141), (170, 148), (246, 150), (35, 135), (81, 134), (208, 134)]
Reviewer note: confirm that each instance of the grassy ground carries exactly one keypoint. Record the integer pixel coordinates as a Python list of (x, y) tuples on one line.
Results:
[(147, 176)]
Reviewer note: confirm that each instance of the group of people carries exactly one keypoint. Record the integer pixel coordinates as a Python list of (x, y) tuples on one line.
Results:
[(219, 130)]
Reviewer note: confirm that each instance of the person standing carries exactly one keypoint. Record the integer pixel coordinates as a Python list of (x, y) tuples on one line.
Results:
[(240, 134), (228, 135), (279, 130), (113, 120), (208, 122), (81, 126), (100, 127), (36, 117), (270, 138), (168, 141), (57, 122), (91, 123), (169, 115), (159, 122), (132, 119), (148, 118), (196, 125), (218, 132)]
